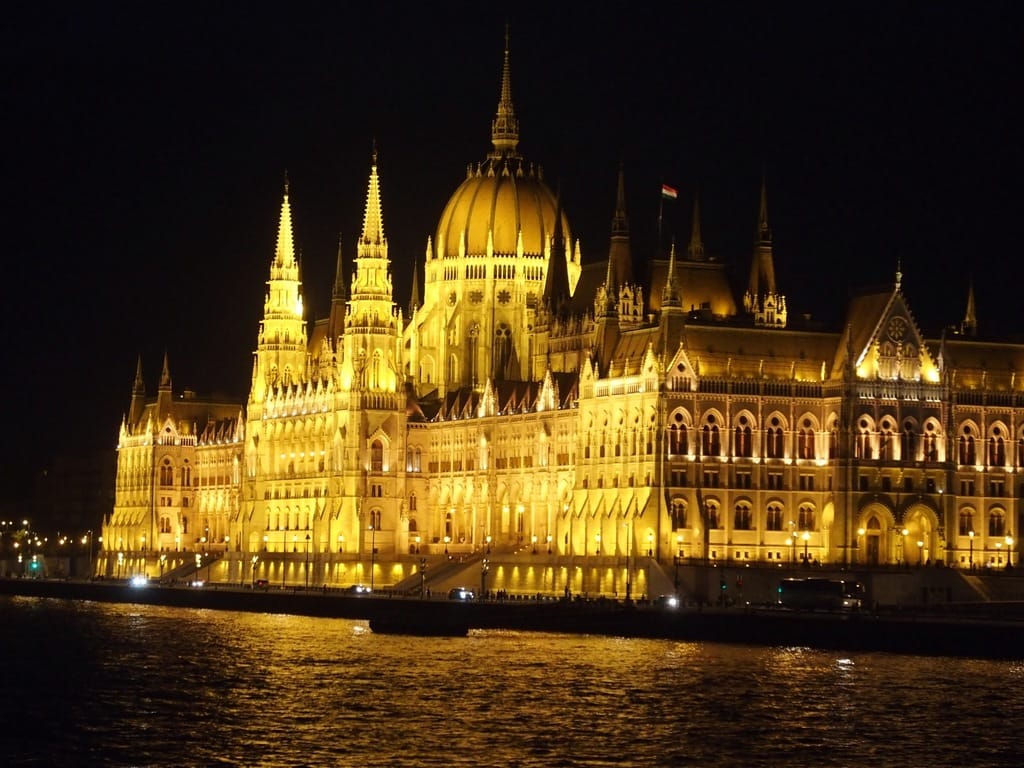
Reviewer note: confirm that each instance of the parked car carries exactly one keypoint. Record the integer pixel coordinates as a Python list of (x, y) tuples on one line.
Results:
[(358, 589), (461, 593)]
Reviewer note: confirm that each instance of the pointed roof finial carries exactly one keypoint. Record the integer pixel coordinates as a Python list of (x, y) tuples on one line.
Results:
[(969, 327), (695, 250), (764, 232), (670, 293), (140, 384), (899, 273), (340, 288), (505, 127), (373, 220), (556, 283), (284, 256), (165, 374)]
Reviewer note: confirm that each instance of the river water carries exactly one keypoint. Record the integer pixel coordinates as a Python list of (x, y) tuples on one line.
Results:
[(96, 684)]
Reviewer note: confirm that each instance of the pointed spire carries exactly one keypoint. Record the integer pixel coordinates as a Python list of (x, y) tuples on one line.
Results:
[(764, 231), (969, 326), (340, 290), (373, 221), (670, 294), (899, 273), (339, 297), (505, 127), (414, 300), (620, 224), (284, 256), (139, 386), (695, 250), (165, 374), (620, 255), (762, 298), (556, 284)]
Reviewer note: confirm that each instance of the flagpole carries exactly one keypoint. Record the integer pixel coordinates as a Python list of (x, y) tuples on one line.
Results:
[(661, 206)]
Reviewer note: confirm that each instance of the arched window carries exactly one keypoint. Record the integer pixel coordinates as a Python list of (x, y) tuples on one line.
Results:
[(996, 448), (965, 448), (805, 518), (502, 351), (774, 518), (885, 439), (677, 438), (743, 447), (412, 508), (996, 523), (711, 441), (805, 449), (908, 442), (712, 512), (376, 456), (862, 446), (678, 513), (166, 473), (966, 521), (743, 519), (774, 438)]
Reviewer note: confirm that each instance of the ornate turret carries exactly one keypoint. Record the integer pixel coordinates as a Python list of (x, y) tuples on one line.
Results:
[(372, 324), (281, 347)]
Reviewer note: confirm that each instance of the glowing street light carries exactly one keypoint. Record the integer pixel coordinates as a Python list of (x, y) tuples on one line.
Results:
[(807, 538), (970, 556), (1009, 551), (533, 541), (920, 553)]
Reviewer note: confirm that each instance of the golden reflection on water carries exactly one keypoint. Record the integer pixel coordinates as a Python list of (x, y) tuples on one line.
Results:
[(161, 686)]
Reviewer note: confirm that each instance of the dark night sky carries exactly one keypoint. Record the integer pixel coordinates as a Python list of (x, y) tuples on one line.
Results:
[(146, 146)]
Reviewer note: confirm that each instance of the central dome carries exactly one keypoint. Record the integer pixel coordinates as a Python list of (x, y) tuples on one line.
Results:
[(502, 207), (499, 201)]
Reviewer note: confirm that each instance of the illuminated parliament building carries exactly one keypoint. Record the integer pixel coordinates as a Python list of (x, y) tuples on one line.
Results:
[(531, 404)]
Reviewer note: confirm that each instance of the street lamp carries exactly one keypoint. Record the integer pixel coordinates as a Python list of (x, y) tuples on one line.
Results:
[(920, 553), (533, 540), (447, 539), (970, 556), (597, 540), (791, 546), (485, 566), (265, 540), (488, 540), (806, 537), (255, 559), (549, 543), (163, 564), (341, 543), (307, 561), (650, 544), (88, 542), (1009, 551), (423, 578)]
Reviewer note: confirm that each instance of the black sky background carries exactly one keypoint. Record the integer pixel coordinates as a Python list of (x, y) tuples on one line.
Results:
[(146, 147)]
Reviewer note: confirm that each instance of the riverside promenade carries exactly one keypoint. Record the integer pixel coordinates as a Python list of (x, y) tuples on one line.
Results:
[(947, 632)]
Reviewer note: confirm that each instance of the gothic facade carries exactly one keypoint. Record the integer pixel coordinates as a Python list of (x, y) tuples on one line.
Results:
[(536, 402)]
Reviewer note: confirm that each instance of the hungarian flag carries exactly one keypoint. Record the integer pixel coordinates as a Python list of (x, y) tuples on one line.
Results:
[(668, 193)]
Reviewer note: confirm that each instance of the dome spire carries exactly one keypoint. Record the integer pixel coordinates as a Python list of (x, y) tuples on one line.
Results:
[(505, 127)]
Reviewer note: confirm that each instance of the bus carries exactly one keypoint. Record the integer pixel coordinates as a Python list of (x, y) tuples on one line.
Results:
[(820, 595)]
